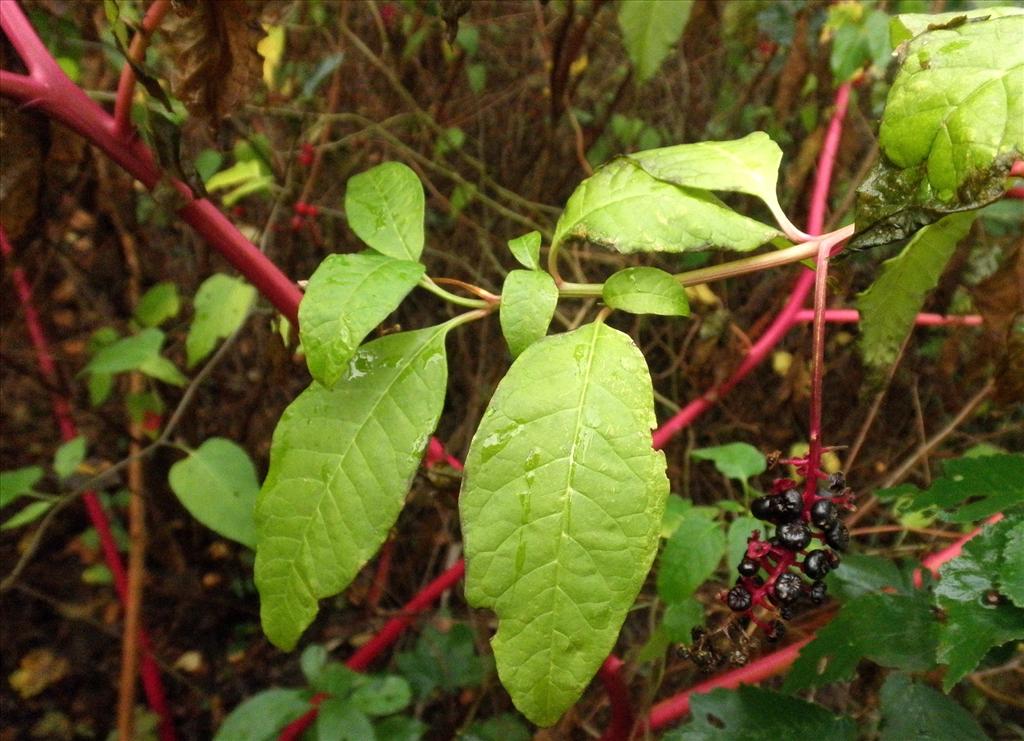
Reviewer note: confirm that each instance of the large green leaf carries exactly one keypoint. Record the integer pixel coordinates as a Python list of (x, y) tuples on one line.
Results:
[(908, 25), (649, 30), (222, 304), (561, 509), (385, 208), (624, 208), (346, 298), (889, 306), (645, 291), (528, 300), (953, 125), (915, 711), (217, 484), (340, 467)]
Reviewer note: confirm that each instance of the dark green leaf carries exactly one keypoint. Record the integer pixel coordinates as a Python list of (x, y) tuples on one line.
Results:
[(645, 291), (263, 715), (507, 727), (1013, 565), (340, 720), (915, 712), (528, 300), (382, 695), (973, 488), (691, 555), (400, 728), (446, 661), (859, 574)]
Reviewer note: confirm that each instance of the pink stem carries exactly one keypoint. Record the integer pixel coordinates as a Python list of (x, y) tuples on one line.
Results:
[(937, 559), (852, 316), (126, 85)]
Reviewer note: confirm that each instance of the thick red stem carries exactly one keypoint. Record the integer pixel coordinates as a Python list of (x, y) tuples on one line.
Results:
[(852, 316)]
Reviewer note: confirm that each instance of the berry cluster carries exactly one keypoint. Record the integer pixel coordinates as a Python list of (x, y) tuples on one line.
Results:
[(779, 571), (711, 651)]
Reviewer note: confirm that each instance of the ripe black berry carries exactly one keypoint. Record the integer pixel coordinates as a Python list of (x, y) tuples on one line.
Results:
[(748, 567), (794, 535), (786, 613), (738, 599), (760, 508), (838, 536), (776, 630), (787, 506), (787, 588), (817, 564), (824, 514), (818, 591)]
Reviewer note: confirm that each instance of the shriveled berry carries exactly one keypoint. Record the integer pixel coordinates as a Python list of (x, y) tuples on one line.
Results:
[(697, 634), (738, 599), (824, 514), (787, 588), (817, 564), (836, 482), (838, 536), (794, 535), (738, 658), (818, 591), (776, 631), (748, 567), (760, 508)]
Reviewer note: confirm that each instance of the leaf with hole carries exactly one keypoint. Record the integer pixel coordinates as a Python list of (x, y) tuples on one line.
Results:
[(385, 207), (528, 300)]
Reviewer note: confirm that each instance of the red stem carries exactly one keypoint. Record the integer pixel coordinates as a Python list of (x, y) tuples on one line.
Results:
[(126, 85), (817, 372), (621, 724), (852, 316)]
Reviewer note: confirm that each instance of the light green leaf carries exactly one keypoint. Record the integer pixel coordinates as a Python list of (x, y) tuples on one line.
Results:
[(526, 250), (859, 37), (528, 300), (738, 461), (385, 208), (158, 304), (889, 306), (69, 456), (217, 484), (691, 555), (650, 29), (915, 711), (312, 661), (346, 298), (17, 483), (128, 353), (222, 303), (29, 513), (645, 291), (240, 173), (340, 467), (624, 208), (908, 25), (739, 531), (561, 507), (162, 369)]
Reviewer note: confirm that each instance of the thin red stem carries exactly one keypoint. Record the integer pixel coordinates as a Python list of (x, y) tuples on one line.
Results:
[(126, 85), (818, 371), (852, 316)]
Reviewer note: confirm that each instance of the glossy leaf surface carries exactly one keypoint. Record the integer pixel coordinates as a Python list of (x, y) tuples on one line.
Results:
[(645, 291), (385, 208), (340, 466), (528, 300), (649, 31), (222, 303), (561, 508)]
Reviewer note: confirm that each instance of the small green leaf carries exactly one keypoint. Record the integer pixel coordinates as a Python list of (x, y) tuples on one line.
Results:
[(691, 555), (401, 728), (69, 456), (624, 208), (241, 173), (446, 661), (162, 369), (336, 679), (891, 630), (382, 695), (645, 291), (752, 714), (17, 483), (859, 37), (911, 710), (340, 720), (561, 506), (737, 461), (526, 250), (312, 661), (158, 304), (346, 298), (340, 467), (650, 29), (127, 354), (222, 304), (217, 484), (100, 385), (385, 207), (262, 716), (680, 618), (739, 531), (889, 306), (29, 513), (528, 300)]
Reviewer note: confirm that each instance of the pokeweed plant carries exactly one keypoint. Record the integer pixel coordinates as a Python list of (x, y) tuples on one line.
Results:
[(563, 493)]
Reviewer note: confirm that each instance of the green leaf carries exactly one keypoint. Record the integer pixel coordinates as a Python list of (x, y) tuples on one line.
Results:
[(645, 291), (446, 661), (17, 483), (915, 711), (650, 29), (526, 250), (385, 208), (952, 127), (69, 456), (680, 618), (162, 369), (340, 466), (737, 461), (1013, 565), (312, 661), (754, 714), (739, 531), (100, 385), (976, 618), (528, 300), (217, 484), (340, 720), (263, 715), (505, 727), (624, 208), (891, 630), (336, 679), (974, 488), (859, 38), (241, 173), (27, 514), (346, 298), (127, 354), (908, 25), (382, 695), (158, 304), (860, 574), (691, 555), (561, 507), (222, 304), (400, 728), (675, 510), (889, 306)]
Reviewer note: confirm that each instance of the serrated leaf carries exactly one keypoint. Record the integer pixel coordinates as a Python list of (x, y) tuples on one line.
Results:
[(217, 484), (526, 250), (385, 207), (908, 25), (622, 207), (892, 630), (158, 304), (738, 461), (127, 354), (68, 456), (649, 31), (691, 555), (911, 710), (528, 300), (17, 483), (736, 540), (645, 291), (860, 574), (561, 508), (753, 714), (340, 466), (346, 298), (221, 304), (890, 305), (262, 716)]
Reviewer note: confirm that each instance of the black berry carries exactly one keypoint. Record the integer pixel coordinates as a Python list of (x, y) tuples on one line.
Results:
[(787, 588), (818, 591), (787, 506), (738, 599), (786, 613), (794, 535), (838, 536), (824, 514), (748, 567), (760, 508), (817, 564)]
